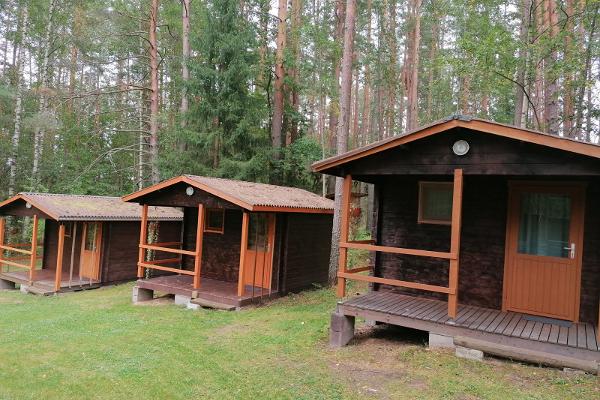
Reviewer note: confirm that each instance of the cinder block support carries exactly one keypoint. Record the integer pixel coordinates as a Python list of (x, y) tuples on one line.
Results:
[(7, 285), (139, 294), (440, 341), (469, 354), (341, 331), (182, 300)]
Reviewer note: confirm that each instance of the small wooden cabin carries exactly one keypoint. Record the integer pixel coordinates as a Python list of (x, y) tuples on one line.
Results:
[(76, 242), (482, 231), (242, 241)]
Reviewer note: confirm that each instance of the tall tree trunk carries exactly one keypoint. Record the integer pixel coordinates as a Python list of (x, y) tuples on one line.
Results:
[(365, 131), (44, 80), (523, 56), (16, 137), (586, 74), (412, 72), (432, 65), (278, 96), (551, 119), (185, 56), (153, 142), (296, 22), (343, 128), (334, 104), (568, 94), (393, 73)]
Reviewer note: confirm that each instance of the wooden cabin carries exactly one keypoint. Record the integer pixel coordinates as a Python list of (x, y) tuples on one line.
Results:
[(481, 231), (75, 242), (242, 241)]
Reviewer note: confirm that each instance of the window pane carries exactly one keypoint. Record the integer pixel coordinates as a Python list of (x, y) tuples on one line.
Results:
[(436, 202), (215, 219), (544, 225), (90, 237), (257, 232)]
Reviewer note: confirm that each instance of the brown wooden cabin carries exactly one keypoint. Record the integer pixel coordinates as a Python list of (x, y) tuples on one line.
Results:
[(242, 241), (481, 230), (76, 241)]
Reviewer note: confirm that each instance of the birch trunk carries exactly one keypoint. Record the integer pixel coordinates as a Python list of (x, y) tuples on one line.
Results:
[(522, 57), (278, 96), (185, 55), (412, 73)]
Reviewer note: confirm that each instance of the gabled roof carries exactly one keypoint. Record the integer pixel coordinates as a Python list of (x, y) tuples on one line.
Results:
[(68, 207), (459, 121), (248, 195)]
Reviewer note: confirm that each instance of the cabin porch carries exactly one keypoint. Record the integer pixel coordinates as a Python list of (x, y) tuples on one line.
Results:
[(212, 293), (44, 282), (507, 334)]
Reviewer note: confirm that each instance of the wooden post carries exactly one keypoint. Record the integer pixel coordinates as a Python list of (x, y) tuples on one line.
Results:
[(243, 248), (143, 240), (33, 259), (455, 243), (344, 233), (199, 241), (59, 257), (72, 263), (2, 227)]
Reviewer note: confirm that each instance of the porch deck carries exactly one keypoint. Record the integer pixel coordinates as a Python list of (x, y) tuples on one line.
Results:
[(211, 290), (44, 281), (547, 336)]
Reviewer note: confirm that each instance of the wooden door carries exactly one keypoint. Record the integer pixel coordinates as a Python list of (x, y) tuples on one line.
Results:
[(544, 250), (89, 265), (258, 267)]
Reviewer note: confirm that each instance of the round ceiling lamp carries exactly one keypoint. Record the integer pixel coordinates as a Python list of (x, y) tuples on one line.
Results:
[(460, 147), (189, 191)]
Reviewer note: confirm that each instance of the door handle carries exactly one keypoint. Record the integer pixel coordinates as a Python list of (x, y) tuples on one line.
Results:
[(571, 250)]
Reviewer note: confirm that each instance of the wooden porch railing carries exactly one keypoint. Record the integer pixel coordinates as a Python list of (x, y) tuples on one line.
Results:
[(453, 255), (31, 254), (162, 247)]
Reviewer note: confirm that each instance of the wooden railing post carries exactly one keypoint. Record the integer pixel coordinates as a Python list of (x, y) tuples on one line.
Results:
[(199, 241), (33, 259), (455, 243), (243, 248), (143, 240), (59, 257), (2, 228), (344, 234)]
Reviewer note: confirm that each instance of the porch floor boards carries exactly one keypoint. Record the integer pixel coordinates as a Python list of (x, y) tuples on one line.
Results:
[(44, 280), (508, 324), (210, 289)]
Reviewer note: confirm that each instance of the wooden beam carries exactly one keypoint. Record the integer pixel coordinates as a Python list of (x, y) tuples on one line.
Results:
[(455, 243), (143, 241), (33, 258), (167, 249), (199, 242), (59, 257), (243, 248), (168, 269), (397, 250), (2, 228), (344, 234), (14, 264), (394, 282), (16, 249), (361, 269)]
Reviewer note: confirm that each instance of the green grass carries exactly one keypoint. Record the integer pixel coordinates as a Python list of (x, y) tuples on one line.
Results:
[(96, 344)]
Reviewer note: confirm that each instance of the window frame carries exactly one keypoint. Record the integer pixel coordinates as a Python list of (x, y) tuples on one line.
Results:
[(213, 229), (422, 186)]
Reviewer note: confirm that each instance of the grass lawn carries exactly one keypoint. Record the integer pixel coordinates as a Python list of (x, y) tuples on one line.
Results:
[(97, 345)]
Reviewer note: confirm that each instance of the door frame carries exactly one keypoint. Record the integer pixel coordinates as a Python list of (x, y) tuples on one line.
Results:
[(576, 189), (98, 252), (271, 238)]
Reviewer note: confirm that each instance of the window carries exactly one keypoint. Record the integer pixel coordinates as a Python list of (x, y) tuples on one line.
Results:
[(69, 229), (214, 220), (435, 203)]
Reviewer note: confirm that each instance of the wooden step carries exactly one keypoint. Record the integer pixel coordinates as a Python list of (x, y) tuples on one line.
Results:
[(213, 304)]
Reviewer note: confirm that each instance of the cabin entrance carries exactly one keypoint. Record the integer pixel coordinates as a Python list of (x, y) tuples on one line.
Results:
[(258, 267), (89, 266), (544, 250)]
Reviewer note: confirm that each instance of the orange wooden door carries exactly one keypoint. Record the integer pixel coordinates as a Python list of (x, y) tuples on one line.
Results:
[(89, 265), (258, 267), (544, 250)]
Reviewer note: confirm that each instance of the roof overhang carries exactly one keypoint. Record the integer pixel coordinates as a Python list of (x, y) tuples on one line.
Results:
[(493, 128), (26, 199)]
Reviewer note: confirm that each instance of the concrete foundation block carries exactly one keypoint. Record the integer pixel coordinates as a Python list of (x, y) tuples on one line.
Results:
[(440, 341), (24, 288), (341, 330), (192, 306), (469, 354), (139, 294), (6, 285), (182, 300)]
